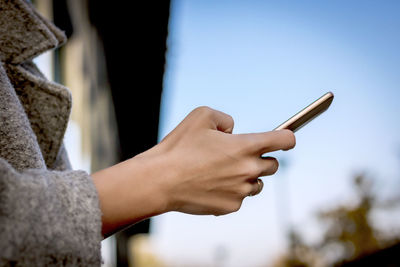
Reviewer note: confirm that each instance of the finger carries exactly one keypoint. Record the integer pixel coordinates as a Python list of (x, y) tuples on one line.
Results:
[(261, 143), (257, 187), (269, 165), (213, 119), (223, 122)]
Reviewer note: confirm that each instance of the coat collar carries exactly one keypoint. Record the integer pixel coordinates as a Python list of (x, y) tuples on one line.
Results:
[(24, 33)]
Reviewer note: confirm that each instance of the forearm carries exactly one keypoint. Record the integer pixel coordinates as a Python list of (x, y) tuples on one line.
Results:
[(129, 192)]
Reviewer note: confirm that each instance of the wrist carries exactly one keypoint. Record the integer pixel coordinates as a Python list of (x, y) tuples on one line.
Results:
[(131, 191), (151, 172)]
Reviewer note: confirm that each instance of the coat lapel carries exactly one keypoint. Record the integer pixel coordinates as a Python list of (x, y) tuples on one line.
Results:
[(46, 104), (24, 34), (18, 144)]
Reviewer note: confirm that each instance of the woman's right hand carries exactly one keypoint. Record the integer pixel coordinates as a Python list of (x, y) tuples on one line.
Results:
[(209, 170), (199, 168)]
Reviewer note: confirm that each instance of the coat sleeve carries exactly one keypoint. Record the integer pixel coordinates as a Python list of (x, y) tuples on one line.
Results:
[(48, 218)]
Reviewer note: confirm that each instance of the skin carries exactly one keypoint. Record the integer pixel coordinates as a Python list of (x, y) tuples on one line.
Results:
[(199, 168)]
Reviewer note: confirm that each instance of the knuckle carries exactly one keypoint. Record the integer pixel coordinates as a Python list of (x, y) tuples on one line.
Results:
[(218, 213), (248, 144), (231, 122), (244, 190), (252, 169), (251, 144), (230, 118), (229, 207), (235, 206), (204, 113), (241, 145), (268, 146), (254, 146), (205, 110)]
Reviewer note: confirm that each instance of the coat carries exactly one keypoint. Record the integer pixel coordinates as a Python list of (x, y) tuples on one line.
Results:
[(49, 214)]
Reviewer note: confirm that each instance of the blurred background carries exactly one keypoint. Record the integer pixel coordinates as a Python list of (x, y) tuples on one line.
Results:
[(136, 69)]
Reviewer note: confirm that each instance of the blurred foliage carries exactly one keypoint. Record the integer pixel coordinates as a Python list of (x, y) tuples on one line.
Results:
[(141, 252), (348, 232)]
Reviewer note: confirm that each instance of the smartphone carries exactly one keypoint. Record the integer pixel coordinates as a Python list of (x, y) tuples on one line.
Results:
[(308, 113)]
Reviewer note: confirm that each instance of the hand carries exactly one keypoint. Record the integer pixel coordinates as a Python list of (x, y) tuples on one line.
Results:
[(209, 170), (199, 168)]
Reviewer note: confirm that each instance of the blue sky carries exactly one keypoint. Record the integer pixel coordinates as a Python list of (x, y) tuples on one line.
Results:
[(261, 62)]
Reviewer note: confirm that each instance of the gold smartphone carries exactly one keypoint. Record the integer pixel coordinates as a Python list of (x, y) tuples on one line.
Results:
[(308, 113)]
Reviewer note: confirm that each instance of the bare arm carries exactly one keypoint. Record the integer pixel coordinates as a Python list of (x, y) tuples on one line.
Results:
[(199, 168)]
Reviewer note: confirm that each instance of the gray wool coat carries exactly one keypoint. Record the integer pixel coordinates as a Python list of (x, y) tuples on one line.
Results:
[(49, 214)]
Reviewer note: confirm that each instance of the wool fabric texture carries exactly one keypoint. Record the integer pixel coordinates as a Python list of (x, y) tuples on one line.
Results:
[(49, 214)]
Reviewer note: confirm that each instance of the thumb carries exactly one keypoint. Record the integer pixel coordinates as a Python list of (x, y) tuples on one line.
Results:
[(222, 121)]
